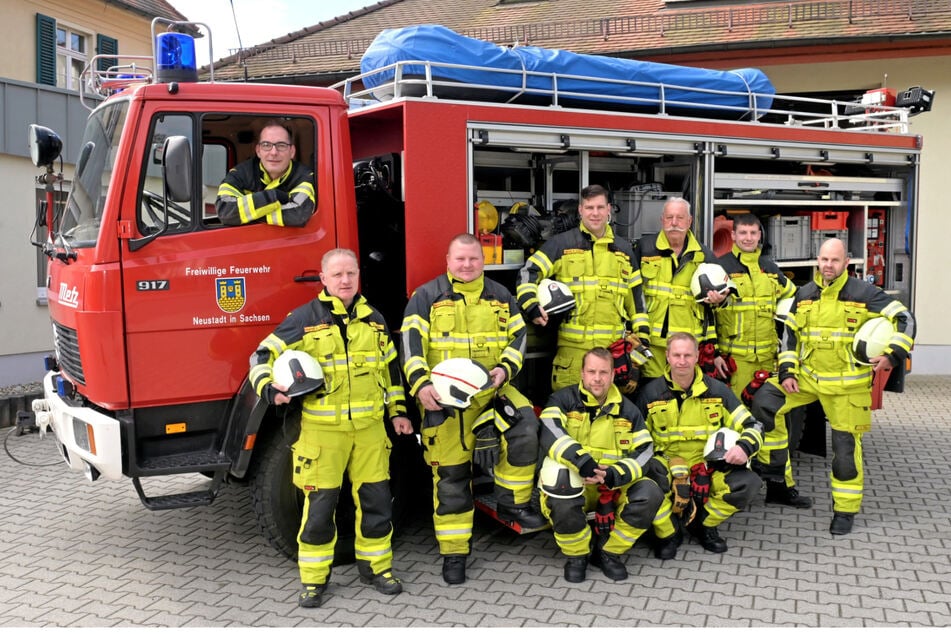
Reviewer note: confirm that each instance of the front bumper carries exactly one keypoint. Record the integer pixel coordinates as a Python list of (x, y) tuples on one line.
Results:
[(89, 441)]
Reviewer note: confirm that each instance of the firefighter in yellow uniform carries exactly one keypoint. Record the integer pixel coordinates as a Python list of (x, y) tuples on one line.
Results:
[(591, 430), (667, 263), (747, 336), (818, 363), (272, 187), (462, 314), (342, 428), (600, 271), (683, 409)]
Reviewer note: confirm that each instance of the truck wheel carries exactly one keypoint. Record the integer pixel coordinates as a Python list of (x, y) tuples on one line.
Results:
[(278, 503)]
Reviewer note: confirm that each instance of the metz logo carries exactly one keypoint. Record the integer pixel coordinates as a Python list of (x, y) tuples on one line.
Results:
[(68, 296)]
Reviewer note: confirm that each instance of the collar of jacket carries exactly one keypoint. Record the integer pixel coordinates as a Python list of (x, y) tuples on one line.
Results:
[(836, 284), (358, 309), (467, 289), (612, 400), (608, 233), (266, 178), (697, 388), (690, 243), (748, 259)]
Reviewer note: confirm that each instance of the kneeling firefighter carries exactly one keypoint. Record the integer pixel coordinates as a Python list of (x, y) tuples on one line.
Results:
[(598, 452), (683, 410)]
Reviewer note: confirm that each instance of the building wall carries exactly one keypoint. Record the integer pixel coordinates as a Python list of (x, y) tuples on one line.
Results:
[(25, 333), (18, 30), (932, 353)]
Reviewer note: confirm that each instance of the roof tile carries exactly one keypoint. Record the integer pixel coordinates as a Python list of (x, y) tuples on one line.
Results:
[(627, 28)]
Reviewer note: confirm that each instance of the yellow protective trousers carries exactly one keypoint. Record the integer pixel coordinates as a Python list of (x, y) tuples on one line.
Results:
[(636, 507), (447, 445), (850, 416), (730, 491), (772, 462), (320, 458)]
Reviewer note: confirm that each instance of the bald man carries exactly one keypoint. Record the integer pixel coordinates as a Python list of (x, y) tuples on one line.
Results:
[(817, 363)]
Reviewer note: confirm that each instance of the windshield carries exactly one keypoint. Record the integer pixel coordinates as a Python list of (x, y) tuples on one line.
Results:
[(79, 226)]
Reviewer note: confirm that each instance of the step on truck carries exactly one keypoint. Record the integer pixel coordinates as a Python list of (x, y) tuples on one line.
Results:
[(156, 305)]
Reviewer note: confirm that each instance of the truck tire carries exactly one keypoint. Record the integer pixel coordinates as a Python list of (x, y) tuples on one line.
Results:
[(278, 504)]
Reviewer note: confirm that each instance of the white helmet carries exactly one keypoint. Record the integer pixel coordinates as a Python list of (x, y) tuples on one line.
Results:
[(558, 481), (298, 372), (457, 380), (783, 307), (872, 339), (717, 445), (709, 276), (555, 297)]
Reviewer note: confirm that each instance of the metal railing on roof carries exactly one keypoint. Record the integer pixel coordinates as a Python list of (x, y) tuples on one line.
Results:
[(403, 79)]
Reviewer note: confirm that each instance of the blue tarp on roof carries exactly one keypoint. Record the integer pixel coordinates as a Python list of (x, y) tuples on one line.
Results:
[(526, 74)]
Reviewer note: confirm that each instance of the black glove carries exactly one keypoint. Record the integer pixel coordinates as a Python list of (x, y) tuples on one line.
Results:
[(587, 467), (486, 452), (281, 196), (610, 477), (269, 393)]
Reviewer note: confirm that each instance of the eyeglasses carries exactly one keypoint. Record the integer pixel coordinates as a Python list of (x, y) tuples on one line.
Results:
[(280, 146)]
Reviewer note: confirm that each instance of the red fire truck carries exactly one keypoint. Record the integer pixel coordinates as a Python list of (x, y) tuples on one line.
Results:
[(156, 306)]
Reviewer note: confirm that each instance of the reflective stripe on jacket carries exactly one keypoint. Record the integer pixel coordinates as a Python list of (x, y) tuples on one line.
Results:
[(746, 322), (248, 193), (670, 303), (575, 426), (603, 278), (680, 421), (821, 327), (355, 353), (448, 319)]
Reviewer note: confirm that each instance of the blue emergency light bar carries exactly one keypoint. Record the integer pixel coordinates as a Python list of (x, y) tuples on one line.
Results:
[(175, 58)]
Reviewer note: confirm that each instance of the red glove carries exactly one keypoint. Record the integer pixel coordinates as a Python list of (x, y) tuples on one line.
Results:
[(604, 511)]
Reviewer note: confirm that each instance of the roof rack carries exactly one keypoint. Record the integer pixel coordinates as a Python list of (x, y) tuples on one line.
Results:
[(417, 78), (100, 83)]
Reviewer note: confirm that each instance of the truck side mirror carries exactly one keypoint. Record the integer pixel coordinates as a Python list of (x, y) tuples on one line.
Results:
[(177, 169)]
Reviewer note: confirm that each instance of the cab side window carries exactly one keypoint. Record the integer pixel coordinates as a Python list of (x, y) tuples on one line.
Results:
[(151, 215), (231, 142)]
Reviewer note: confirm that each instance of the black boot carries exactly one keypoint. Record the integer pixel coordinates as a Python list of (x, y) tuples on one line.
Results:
[(666, 548), (841, 523), (576, 569), (708, 536), (610, 564), (779, 493), (523, 515), (454, 569)]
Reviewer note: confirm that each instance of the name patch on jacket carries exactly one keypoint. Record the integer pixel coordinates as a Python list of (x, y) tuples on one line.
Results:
[(316, 328)]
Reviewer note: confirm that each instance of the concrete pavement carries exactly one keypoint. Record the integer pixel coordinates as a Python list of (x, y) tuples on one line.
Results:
[(82, 554)]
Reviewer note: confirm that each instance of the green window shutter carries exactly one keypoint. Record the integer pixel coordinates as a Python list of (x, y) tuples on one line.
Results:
[(45, 50), (106, 45)]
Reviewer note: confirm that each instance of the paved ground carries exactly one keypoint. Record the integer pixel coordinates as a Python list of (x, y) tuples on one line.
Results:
[(80, 554)]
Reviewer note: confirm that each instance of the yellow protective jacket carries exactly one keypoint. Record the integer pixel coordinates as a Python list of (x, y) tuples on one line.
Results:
[(670, 304), (746, 325), (448, 319), (680, 421), (356, 354), (575, 427), (248, 193), (603, 277), (821, 327)]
